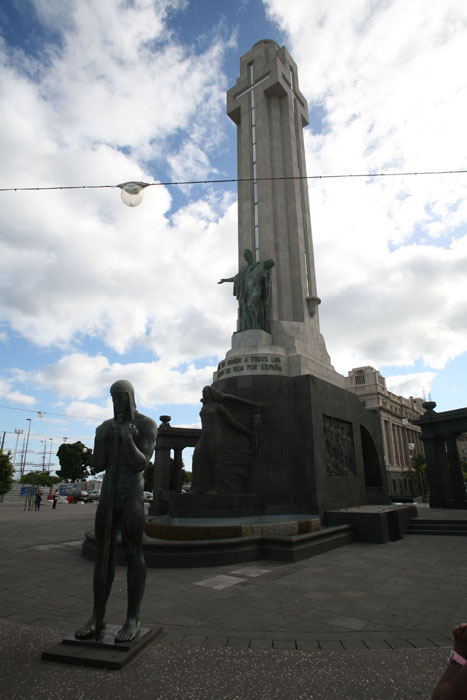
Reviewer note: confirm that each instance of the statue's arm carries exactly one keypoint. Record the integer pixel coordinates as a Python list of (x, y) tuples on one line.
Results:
[(230, 420), (239, 399), (230, 279), (99, 459), (139, 455)]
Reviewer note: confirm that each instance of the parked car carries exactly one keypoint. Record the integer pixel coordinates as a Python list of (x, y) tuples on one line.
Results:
[(94, 496)]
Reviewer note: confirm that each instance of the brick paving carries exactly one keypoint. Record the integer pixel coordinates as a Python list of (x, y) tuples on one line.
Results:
[(404, 594), (397, 598)]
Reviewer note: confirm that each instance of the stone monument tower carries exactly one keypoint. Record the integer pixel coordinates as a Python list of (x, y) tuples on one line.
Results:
[(274, 214), (315, 447)]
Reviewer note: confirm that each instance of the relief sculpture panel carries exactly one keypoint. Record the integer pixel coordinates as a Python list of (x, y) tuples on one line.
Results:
[(340, 452)]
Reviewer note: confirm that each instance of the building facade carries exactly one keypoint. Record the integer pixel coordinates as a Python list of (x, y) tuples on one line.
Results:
[(401, 438)]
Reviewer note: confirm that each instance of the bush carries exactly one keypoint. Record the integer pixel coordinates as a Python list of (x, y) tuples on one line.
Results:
[(7, 471)]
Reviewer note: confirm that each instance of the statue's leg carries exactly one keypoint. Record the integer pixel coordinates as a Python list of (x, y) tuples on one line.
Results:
[(100, 601), (96, 622), (132, 539)]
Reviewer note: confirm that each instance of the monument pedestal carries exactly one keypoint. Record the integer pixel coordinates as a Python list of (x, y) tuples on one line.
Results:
[(222, 505), (319, 449), (290, 350), (253, 353)]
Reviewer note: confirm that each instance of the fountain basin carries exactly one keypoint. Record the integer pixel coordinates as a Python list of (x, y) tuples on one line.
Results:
[(167, 527)]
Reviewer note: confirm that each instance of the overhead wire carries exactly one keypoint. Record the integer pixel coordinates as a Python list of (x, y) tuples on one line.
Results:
[(242, 179), (49, 413)]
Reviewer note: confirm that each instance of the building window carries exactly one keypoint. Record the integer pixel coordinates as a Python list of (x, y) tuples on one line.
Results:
[(360, 377)]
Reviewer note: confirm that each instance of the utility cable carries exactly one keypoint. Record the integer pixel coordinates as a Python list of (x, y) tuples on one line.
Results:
[(242, 179)]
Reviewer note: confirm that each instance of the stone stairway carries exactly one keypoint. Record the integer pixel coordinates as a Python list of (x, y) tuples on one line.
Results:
[(14, 494), (420, 526)]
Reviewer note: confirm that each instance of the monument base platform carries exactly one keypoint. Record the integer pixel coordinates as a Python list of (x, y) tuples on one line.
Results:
[(102, 653), (178, 554), (374, 523), (319, 448)]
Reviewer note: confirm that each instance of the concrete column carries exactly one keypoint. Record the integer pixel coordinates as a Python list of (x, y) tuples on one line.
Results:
[(437, 471), (177, 480), (455, 473), (161, 479), (395, 443), (390, 443), (273, 207)]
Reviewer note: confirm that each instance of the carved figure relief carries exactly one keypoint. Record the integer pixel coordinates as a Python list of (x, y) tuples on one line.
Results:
[(223, 454), (340, 452)]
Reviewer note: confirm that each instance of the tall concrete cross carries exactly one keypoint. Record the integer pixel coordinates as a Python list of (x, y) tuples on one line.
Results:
[(273, 206)]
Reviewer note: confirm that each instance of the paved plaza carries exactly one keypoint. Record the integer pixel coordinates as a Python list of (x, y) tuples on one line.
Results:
[(364, 621)]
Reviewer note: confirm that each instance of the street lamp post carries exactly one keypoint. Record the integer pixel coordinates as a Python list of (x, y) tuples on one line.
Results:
[(411, 447), (44, 455), (18, 432), (26, 448), (50, 453)]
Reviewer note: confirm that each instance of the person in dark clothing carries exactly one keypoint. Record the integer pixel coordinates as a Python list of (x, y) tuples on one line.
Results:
[(453, 683)]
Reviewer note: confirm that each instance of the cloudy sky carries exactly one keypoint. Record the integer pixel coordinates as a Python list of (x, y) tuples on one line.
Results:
[(98, 92)]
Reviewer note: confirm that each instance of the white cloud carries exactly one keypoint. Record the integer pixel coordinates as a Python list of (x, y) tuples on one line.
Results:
[(106, 104), (390, 253), (94, 110), (417, 384), (78, 377), (8, 393)]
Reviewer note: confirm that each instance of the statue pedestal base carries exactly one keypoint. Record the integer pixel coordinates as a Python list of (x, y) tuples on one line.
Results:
[(290, 350), (253, 353), (102, 653)]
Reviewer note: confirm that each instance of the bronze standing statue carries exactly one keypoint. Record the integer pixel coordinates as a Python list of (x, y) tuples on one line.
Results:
[(252, 288), (123, 447)]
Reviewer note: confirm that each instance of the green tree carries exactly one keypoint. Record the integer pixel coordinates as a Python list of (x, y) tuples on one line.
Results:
[(187, 477), (40, 479), (6, 472), (419, 464), (75, 461)]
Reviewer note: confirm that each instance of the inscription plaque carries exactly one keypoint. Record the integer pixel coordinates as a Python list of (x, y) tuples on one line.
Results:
[(250, 364)]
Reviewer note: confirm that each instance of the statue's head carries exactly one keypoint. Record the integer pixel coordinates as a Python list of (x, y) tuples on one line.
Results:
[(123, 397), (210, 393), (206, 394), (248, 255), (269, 263)]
